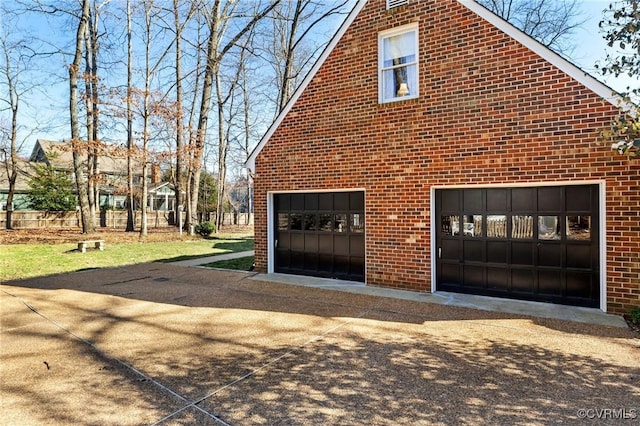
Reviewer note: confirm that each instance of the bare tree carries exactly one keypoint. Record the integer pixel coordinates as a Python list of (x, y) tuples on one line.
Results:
[(91, 99), (17, 53), (130, 227), (11, 71), (292, 47), (178, 181), (228, 109), (193, 51), (219, 43), (79, 148), (151, 104), (551, 22)]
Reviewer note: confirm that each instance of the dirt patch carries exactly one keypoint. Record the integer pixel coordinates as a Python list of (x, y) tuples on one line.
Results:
[(110, 235)]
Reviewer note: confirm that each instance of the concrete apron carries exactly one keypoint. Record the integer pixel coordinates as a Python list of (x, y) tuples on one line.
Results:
[(520, 307), (164, 344)]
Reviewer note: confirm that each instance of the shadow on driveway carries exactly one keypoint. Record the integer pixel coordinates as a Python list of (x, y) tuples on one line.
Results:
[(162, 344)]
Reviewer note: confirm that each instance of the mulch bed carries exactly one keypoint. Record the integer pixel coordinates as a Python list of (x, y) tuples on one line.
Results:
[(633, 326), (110, 235)]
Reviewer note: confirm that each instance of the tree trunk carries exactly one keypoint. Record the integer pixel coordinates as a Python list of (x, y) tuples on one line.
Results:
[(11, 164), (79, 149), (146, 112), (89, 106), (178, 178), (130, 142), (213, 59)]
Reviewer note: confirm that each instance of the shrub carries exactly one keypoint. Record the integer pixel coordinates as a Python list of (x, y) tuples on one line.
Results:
[(51, 190), (635, 315), (205, 228)]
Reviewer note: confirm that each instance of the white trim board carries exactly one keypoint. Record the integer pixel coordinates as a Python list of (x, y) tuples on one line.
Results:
[(544, 52), (271, 232), (251, 161)]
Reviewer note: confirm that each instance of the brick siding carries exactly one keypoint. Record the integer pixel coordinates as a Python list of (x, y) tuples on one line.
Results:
[(490, 111)]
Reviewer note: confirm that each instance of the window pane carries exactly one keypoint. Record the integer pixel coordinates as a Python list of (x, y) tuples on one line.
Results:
[(399, 82), (296, 221), (310, 222), (579, 227), (326, 222), (548, 228), (473, 225), (455, 225), (399, 47), (340, 223), (283, 221), (521, 227), (357, 222), (497, 226), (399, 66), (445, 224)]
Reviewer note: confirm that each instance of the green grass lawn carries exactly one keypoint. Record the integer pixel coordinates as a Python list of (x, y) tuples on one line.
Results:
[(240, 264), (31, 260)]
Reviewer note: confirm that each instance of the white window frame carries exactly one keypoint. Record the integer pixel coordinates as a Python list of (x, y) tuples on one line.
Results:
[(413, 85)]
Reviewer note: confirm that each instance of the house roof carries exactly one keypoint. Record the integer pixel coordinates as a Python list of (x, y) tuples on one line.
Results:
[(25, 173), (541, 50), (59, 155), (162, 187)]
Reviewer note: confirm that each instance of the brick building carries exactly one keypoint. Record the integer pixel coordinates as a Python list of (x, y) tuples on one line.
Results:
[(435, 147)]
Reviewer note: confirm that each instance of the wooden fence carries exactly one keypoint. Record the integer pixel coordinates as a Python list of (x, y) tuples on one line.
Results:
[(107, 219)]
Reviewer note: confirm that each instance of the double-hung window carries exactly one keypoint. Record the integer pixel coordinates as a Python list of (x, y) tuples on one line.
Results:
[(398, 63)]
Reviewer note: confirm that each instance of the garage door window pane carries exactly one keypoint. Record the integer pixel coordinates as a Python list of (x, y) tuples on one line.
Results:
[(325, 223), (473, 225), (497, 226), (295, 221), (521, 226), (310, 222), (579, 227), (548, 228), (448, 224), (340, 223), (357, 222), (283, 221)]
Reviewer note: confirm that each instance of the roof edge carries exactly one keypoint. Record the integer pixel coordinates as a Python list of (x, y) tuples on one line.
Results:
[(571, 69), (250, 163), (565, 65)]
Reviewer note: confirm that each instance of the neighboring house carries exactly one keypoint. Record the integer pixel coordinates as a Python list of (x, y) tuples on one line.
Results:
[(435, 147), (113, 179), (20, 199), (162, 196), (112, 185)]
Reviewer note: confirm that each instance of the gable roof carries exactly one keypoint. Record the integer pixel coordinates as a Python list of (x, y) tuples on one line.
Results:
[(25, 173), (60, 156), (541, 50)]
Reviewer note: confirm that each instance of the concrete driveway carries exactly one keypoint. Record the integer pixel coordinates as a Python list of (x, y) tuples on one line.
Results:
[(166, 344)]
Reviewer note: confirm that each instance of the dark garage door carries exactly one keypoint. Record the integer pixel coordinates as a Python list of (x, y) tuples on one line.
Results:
[(320, 234), (537, 244)]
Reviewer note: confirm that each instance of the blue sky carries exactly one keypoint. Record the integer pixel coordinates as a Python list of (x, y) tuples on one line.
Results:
[(590, 48)]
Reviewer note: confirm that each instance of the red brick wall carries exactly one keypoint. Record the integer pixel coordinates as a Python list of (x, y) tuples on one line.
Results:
[(490, 111)]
